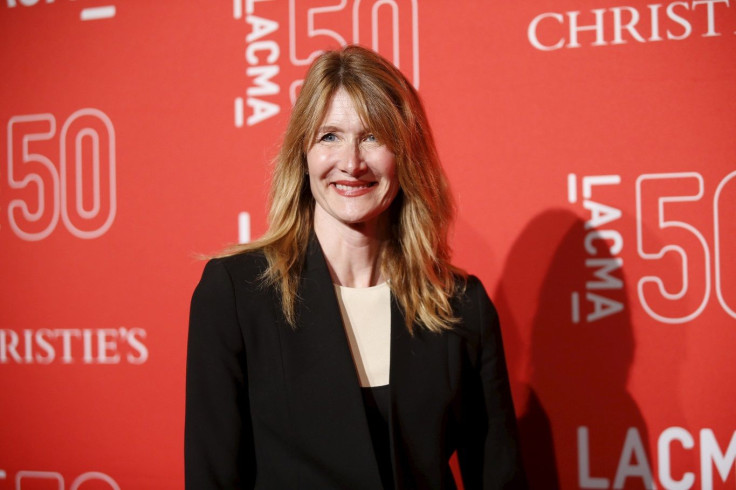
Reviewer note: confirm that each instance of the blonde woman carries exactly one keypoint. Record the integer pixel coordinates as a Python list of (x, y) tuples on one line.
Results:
[(342, 350)]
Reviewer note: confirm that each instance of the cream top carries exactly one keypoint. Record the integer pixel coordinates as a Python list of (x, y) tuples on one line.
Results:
[(366, 315)]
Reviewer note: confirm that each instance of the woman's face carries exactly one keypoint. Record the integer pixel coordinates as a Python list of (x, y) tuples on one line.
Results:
[(352, 175)]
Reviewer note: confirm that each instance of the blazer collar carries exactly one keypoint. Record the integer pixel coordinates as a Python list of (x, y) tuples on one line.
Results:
[(325, 390), (318, 353)]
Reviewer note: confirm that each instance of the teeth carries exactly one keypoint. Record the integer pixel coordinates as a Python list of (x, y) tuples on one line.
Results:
[(343, 187)]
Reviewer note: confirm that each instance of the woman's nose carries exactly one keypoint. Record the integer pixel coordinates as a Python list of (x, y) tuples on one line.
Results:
[(352, 160)]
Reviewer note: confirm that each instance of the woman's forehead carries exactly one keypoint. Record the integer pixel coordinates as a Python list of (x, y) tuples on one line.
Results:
[(343, 107), (340, 106)]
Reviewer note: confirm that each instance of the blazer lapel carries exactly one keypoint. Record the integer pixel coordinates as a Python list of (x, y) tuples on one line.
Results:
[(327, 403), (400, 347), (419, 387)]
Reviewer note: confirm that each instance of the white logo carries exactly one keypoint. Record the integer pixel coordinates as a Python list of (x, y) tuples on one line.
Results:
[(634, 464), (81, 189), (310, 30), (600, 214), (31, 478), (658, 198), (88, 13), (550, 31), (70, 345)]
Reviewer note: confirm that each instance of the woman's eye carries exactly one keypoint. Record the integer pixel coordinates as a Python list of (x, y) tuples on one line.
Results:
[(371, 138), (328, 137)]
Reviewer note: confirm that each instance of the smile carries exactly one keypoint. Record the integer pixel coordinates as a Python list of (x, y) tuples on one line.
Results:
[(353, 189)]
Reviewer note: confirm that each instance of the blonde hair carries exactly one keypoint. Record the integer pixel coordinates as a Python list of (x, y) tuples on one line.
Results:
[(416, 257)]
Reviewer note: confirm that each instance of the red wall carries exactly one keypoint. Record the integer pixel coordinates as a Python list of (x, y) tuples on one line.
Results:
[(591, 147)]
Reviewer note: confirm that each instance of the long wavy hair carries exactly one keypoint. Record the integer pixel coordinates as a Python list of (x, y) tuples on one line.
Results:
[(416, 255)]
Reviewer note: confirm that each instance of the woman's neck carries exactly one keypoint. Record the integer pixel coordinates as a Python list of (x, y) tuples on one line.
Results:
[(352, 252)]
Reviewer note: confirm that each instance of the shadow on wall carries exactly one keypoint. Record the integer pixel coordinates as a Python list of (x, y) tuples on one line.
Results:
[(577, 371)]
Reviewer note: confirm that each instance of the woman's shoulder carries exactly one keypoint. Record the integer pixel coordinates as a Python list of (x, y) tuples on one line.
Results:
[(469, 290), (247, 259), (473, 307), (241, 267)]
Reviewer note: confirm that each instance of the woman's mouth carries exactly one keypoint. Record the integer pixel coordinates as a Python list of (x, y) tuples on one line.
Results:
[(353, 189)]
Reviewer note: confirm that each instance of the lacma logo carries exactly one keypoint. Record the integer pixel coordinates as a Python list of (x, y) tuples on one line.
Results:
[(278, 53)]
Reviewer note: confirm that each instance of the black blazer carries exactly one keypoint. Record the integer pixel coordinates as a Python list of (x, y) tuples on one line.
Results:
[(272, 407)]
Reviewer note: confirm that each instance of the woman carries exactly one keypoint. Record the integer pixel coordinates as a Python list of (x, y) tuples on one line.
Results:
[(342, 350)]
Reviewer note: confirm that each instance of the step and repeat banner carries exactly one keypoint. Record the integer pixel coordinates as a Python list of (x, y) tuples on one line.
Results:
[(591, 146)]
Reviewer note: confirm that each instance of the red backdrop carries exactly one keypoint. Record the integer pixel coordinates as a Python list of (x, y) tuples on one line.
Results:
[(590, 145)]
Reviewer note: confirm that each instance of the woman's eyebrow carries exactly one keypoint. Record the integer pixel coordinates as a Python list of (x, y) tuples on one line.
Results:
[(328, 129)]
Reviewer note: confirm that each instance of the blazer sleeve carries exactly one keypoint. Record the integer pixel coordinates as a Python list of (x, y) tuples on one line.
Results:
[(218, 445), (491, 457)]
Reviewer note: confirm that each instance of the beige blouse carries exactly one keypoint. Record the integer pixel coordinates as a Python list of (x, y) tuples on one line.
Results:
[(366, 315)]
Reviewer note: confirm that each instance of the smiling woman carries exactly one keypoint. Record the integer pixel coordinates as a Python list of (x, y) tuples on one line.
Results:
[(343, 349), (352, 175)]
